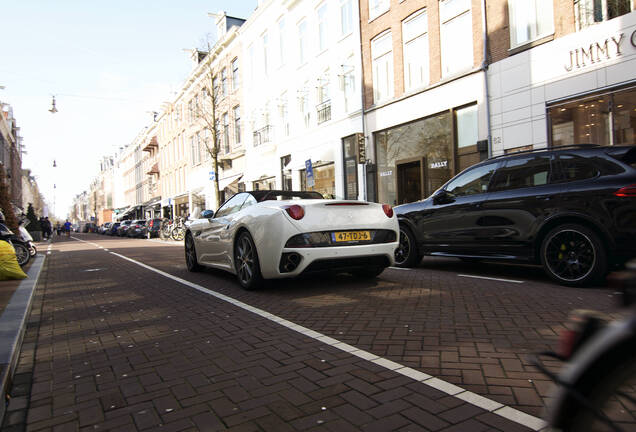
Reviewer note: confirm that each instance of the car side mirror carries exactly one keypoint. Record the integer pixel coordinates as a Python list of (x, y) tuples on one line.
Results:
[(207, 214), (443, 197)]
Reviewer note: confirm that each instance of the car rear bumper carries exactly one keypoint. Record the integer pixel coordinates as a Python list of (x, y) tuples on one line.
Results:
[(332, 259)]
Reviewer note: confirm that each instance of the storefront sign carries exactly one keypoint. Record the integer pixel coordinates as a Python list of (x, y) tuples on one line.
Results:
[(362, 156), (440, 164), (597, 51), (310, 173)]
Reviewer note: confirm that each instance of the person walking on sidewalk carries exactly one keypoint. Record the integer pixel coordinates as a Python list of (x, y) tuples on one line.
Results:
[(67, 228)]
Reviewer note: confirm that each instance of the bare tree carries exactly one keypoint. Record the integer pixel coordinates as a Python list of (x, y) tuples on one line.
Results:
[(206, 108)]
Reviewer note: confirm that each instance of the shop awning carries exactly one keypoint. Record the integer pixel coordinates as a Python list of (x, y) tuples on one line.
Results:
[(226, 181), (153, 202)]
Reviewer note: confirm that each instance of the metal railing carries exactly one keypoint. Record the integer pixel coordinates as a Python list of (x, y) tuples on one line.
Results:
[(323, 111), (263, 135)]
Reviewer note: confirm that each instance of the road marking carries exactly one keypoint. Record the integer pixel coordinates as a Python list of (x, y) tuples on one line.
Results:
[(399, 268), (484, 403), (489, 278)]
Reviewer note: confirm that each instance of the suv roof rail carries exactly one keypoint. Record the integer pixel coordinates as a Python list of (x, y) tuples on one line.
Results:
[(570, 146)]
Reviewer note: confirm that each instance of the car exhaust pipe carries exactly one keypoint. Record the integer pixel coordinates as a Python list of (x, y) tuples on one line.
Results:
[(289, 261)]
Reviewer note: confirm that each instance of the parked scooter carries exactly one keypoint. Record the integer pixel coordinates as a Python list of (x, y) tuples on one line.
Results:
[(26, 237), (21, 249)]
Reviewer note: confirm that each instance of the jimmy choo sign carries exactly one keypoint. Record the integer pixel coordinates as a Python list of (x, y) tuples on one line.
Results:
[(598, 51)]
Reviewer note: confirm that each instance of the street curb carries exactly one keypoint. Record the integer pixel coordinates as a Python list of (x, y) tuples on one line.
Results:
[(13, 325)]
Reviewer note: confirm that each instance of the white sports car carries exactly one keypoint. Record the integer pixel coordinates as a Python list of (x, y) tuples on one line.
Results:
[(272, 234)]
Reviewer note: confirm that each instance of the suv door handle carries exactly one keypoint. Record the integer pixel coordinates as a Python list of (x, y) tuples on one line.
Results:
[(544, 197)]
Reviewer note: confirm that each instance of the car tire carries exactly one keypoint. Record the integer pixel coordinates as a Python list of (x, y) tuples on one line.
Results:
[(406, 254), (191, 255), (573, 255), (246, 263)]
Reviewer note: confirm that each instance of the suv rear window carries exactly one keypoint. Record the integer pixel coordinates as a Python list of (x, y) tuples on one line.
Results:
[(574, 168)]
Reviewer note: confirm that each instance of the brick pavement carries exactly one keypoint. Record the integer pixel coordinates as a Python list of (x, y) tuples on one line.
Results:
[(112, 346)]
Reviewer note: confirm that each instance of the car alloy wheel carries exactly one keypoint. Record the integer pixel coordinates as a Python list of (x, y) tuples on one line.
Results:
[(248, 270), (406, 254), (573, 255), (191, 255)]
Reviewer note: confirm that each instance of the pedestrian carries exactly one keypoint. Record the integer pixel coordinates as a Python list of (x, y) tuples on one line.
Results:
[(43, 227), (58, 228), (67, 228), (47, 227)]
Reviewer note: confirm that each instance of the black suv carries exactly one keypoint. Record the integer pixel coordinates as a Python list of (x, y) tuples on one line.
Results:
[(571, 209)]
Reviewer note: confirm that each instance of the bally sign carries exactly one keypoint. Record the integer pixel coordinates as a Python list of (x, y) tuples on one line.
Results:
[(598, 51)]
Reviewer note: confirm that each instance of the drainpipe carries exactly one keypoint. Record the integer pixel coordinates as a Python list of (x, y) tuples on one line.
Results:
[(484, 69), (364, 128)]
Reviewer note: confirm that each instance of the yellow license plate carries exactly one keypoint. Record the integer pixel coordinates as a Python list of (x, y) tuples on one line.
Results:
[(350, 236)]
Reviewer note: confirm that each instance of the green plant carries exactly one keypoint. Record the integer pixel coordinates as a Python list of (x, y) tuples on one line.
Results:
[(34, 224)]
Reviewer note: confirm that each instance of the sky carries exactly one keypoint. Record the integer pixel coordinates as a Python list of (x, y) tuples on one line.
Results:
[(108, 64)]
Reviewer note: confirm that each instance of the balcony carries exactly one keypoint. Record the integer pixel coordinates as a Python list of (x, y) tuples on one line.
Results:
[(151, 144), (323, 111), (263, 135)]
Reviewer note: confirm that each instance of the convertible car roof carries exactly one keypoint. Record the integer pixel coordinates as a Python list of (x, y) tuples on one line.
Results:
[(264, 195)]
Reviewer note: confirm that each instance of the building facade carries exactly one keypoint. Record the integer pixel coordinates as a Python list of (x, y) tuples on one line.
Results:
[(424, 94), (563, 73), (11, 154)]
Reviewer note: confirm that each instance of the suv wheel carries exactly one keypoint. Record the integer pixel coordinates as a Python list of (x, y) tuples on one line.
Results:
[(406, 254), (573, 255)]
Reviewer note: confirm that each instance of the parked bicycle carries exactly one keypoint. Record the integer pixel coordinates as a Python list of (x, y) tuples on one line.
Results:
[(166, 228), (596, 390), (178, 229)]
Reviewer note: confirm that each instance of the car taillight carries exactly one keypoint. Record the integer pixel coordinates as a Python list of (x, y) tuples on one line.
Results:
[(388, 210), (627, 191), (295, 211)]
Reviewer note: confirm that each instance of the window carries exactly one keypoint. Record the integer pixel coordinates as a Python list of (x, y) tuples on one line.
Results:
[(467, 135), (195, 155), (346, 17), (348, 84), (237, 124), (281, 41), (224, 81), (283, 114), (529, 20), (382, 55), (588, 12), (456, 36), (415, 37), (573, 168), (523, 172), (265, 42), (604, 119), (235, 74), (472, 182), (226, 133), (322, 27), (253, 66), (302, 42), (377, 8)]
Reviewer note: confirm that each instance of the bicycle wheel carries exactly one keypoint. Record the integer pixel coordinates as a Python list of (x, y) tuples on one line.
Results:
[(178, 234), (610, 392)]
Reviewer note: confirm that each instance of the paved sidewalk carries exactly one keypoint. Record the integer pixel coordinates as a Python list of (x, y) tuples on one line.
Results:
[(113, 346)]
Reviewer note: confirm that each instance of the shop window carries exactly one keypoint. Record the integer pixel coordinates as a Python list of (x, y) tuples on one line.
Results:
[(382, 55), (324, 180), (429, 140), (530, 20), (350, 152), (588, 12), (456, 36), (607, 119), (415, 37), (467, 136)]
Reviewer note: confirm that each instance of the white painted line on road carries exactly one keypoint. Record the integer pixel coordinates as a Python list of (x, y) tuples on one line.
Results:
[(507, 412), (489, 278), (399, 268)]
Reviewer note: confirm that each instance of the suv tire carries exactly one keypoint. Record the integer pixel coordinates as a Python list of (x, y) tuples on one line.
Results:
[(406, 254), (573, 255)]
